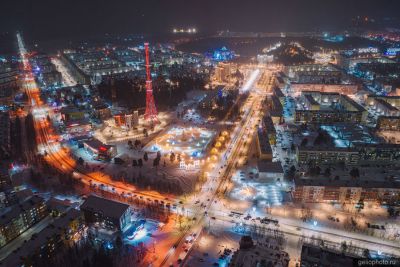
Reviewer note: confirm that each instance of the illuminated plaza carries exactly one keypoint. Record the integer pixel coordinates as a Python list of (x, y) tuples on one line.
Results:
[(187, 141)]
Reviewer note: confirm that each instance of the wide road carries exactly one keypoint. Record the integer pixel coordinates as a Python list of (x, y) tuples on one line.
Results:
[(219, 175)]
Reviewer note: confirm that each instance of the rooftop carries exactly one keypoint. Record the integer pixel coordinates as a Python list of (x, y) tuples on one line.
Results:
[(370, 177), (108, 208), (269, 166), (96, 144), (17, 209)]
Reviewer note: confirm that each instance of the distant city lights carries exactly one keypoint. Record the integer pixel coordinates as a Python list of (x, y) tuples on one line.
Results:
[(182, 30)]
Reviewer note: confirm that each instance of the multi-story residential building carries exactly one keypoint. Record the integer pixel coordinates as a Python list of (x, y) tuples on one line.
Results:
[(9, 83), (389, 123), (349, 59), (327, 155), (275, 108), (18, 218), (340, 190), (5, 140), (362, 153), (329, 108), (279, 94), (385, 105), (346, 89), (312, 255), (314, 73), (269, 128), (264, 150), (42, 246), (267, 253)]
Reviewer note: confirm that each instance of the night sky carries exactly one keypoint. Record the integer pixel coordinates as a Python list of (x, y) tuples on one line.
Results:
[(74, 18)]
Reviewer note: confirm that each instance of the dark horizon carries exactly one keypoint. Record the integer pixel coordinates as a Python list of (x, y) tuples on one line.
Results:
[(71, 19)]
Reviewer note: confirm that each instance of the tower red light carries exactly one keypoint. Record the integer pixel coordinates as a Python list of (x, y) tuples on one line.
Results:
[(151, 110)]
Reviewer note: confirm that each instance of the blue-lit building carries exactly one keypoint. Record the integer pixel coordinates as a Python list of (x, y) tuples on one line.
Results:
[(223, 54)]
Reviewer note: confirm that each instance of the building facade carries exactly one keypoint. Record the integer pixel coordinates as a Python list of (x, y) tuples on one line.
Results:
[(107, 213), (20, 217)]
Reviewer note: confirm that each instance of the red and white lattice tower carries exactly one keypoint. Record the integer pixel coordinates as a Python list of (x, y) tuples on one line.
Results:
[(151, 110)]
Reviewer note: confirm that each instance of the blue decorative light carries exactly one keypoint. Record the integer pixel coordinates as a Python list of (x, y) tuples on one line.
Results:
[(222, 54)]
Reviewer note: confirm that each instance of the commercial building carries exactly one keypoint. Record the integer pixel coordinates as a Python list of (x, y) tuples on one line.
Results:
[(78, 127), (269, 171), (72, 113), (101, 110), (107, 213), (45, 244), (18, 218), (317, 107), (127, 120), (98, 150), (267, 253)]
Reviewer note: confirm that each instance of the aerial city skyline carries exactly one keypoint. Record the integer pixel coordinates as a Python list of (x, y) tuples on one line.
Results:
[(169, 133)]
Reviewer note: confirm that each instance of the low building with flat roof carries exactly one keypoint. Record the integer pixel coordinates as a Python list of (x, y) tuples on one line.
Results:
[(107, 213), (98, 150), (268, 170)]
